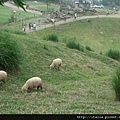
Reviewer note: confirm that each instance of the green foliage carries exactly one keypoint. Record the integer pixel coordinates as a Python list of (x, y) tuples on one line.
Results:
[(51, 37), (115, 54), (116, 83), (73, 45), (9, 53)]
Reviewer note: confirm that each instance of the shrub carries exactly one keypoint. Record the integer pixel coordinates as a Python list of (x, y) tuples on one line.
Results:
[(52, 37), (9, 52), (116, 83), (115, 54), (73, 45)]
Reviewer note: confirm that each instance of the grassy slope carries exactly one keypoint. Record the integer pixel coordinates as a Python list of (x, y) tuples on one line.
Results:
[(100, 34), (6, 12), (81, 86)]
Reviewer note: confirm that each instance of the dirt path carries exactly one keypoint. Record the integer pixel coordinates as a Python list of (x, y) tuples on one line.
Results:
[(71, 20)]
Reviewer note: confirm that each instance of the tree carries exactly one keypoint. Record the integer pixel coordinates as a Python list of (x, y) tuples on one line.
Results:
[(19, 3)]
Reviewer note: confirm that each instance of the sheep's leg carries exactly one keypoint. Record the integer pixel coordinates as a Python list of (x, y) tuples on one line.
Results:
[(38, 87), (4, 80)]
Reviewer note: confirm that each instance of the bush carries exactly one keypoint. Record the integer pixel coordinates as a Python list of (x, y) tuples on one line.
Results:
[(73, 45), (52, 37), (9, 53), (115, 54), (116, 83)]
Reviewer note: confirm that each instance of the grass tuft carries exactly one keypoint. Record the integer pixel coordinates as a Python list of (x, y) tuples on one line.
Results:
[(116, 83), (9, 52), (115, 54), (88, 48), (73, 45), (51, 37)]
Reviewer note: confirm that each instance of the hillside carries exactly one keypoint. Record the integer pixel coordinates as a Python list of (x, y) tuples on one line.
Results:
[(83, 83)]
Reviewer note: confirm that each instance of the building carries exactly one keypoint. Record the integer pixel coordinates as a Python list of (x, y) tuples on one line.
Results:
[(82, 3)]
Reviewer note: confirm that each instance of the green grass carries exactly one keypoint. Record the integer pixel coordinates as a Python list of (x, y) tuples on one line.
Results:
[(115, 54), (97, 34), (116, 83), (6, 12), (51, 37), (10, 53), (83, 83)]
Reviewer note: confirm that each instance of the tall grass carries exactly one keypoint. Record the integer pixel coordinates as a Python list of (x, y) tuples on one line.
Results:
[(89, 48), (115, 54), (73, 45), (10, 54), (51, 37), (116, 83)]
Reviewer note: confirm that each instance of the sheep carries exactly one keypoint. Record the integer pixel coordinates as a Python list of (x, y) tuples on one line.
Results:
[(3, 76), (32, 83), (52, 20), (56, 63)]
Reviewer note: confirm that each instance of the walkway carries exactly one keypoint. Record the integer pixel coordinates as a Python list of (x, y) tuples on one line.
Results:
[(71, 20)]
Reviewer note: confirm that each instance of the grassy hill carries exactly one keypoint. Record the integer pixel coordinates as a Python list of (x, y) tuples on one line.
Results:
[(83, 83), (6, 13)]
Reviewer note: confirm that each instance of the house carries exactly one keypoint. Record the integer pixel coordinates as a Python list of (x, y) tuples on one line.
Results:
[(82, 3)]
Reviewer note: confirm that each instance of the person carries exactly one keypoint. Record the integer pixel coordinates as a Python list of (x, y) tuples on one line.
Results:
[(75, 15), (30, 25), (97, 13), (34, 26), (64, 18), (24, 28), (107, 13)]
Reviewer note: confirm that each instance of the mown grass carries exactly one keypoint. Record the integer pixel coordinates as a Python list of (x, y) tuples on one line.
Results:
[(83, 83)]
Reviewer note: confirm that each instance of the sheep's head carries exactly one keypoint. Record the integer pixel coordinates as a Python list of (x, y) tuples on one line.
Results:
[(23, 88), (51, 66)]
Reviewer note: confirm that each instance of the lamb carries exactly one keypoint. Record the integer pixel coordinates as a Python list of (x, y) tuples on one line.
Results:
[(32, 83), (56, 63), (3, 76)]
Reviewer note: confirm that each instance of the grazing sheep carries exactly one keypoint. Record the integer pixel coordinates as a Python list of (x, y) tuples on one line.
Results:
[(56, 63), (3, 76), (52, 20), (32, 83)]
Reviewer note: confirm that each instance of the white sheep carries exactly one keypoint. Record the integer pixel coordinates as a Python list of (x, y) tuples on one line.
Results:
[(3, 76), (32, 83), (56, 63), (52, 20)]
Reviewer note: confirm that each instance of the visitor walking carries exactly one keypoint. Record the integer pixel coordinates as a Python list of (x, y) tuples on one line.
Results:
[(24, 28), (75, 15), (34, 26)]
